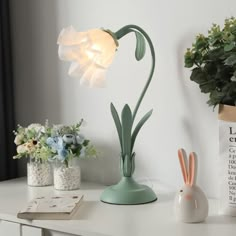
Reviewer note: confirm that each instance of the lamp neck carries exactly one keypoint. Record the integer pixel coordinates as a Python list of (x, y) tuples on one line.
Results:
[(133, 28)]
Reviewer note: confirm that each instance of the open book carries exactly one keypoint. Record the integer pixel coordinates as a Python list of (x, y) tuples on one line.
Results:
[(51, 208)]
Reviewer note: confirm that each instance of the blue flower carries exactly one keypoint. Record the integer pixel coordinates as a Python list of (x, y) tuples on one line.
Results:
[(58, 144), (52, 142), (62, 154)]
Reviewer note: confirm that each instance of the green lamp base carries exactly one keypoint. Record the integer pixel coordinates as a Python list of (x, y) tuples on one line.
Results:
[(128, 192)]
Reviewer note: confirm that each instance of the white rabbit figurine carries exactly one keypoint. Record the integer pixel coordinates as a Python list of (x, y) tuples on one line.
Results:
[(191, 205)]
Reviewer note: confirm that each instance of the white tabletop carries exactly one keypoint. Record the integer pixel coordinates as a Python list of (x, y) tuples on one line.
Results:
[(95, 218)]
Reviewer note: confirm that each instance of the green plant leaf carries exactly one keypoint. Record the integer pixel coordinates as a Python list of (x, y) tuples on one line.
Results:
[(229, 47), (117, 122), (140, 46), (208, 86), (198, 75), (215, 53), (138, 127), (127, 122), (201, 42), (216, 97), (231, 60), (188, 62)]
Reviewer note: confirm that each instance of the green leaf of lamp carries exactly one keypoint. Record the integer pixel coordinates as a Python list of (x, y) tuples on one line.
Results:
[(91, 53)]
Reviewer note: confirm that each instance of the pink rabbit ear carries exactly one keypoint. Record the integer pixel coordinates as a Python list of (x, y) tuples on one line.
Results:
[(191, 170), (183, 161)]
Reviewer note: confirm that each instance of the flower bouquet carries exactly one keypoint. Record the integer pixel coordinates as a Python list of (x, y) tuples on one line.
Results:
[(31, 143), (68, 145)]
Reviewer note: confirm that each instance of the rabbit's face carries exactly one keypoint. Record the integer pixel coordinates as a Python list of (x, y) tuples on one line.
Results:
[(186, 193), (190, 198)]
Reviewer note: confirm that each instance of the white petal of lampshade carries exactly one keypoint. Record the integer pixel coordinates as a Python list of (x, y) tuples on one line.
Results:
[(99, 78), (91, 75), (68, 53), (91, 53), (94, 76), (69, 36), (77, 70)]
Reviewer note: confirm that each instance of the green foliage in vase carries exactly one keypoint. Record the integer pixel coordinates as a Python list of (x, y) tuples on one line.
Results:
[(213, 59)]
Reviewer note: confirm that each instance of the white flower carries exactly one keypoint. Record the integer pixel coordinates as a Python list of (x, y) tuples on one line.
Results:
[(18, 139), (233, 78), (90, 52), (80, 139), (82, 152), (22, 149), (27, 147), (37, 127)]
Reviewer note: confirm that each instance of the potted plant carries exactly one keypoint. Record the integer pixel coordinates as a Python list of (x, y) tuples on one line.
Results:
[(68, 145), (213, 59), (31, 143)]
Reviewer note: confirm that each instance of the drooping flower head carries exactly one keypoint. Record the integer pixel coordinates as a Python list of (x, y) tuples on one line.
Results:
[(90, 52)]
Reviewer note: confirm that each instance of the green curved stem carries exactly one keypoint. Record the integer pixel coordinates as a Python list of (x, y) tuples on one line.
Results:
[(131, 28)]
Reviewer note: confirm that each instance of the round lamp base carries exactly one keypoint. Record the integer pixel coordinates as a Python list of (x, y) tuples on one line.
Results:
[(128, 192)]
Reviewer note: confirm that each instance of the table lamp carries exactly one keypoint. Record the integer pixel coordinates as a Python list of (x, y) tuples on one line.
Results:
[(91, 53)]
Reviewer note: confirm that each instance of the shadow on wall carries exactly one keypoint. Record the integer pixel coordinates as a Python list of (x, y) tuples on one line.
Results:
[(105, 168), (193, 121), (187, 126), (36, 71)]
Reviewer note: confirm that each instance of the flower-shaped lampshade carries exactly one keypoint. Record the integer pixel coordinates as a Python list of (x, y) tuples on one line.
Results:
[(90, 52)]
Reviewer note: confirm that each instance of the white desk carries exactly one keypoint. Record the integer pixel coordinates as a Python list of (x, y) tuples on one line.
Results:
[(95, 218)]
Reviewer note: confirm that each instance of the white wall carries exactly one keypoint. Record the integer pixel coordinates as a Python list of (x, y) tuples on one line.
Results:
[(181, 117)]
